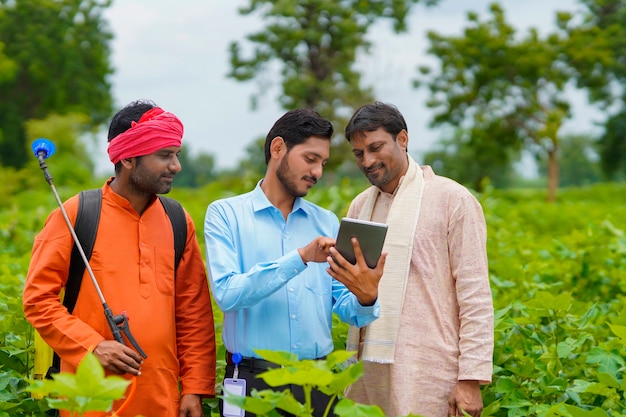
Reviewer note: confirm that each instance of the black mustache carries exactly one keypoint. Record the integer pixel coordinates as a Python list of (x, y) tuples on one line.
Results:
[(373, 167)]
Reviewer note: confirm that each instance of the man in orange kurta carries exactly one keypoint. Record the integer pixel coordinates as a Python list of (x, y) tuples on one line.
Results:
[(170, 315)]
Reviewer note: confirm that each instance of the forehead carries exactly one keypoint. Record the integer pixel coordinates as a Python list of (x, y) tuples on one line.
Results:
[(364, 139), (314, 145), (169, 149)]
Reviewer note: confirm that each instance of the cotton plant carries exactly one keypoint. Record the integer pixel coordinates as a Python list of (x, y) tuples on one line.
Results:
[(331, 376), (86, 390)]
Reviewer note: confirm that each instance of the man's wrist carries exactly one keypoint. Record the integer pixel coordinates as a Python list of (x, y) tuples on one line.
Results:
[(368, 303), (301, 253)]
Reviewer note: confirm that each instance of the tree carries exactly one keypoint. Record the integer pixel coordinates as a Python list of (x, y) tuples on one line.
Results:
[(579, 162), (197, 170), (512, 90), (612, 146), (596, 49), (470, 158), (70, 164), (315, 44), (253, 164), (54, 58)]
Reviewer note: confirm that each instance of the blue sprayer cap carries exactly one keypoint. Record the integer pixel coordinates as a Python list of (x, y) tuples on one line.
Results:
[(45, 146)]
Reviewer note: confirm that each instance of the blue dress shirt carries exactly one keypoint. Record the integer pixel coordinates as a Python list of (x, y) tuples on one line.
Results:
[(270, 298)]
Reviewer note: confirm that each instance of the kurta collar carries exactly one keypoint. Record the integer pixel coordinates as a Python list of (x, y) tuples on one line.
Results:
[(428, 173), (393, 194), (109, 194)]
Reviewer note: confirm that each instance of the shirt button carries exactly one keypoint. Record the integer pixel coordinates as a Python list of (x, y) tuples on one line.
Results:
[(293, 316), (290, 289), (143, 264)]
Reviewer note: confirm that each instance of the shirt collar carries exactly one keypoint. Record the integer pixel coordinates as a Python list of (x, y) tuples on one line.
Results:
[(261, 202)]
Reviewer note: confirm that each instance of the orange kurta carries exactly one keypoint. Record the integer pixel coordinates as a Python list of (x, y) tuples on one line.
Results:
[(133, 261)]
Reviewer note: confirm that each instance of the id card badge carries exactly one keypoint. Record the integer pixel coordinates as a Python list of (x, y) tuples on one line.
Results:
[(234, 387)]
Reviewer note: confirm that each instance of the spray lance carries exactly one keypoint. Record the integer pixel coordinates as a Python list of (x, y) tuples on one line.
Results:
[(43, 149)]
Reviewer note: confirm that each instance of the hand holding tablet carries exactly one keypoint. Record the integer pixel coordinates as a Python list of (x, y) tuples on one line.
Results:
[(371, 237)]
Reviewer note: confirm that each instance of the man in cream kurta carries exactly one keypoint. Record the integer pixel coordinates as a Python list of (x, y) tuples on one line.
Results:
[(434, 342)]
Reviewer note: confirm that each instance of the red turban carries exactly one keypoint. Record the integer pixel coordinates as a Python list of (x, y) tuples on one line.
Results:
[(156, 129)]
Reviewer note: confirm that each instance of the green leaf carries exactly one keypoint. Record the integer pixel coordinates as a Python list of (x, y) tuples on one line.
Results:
[(544, 300), (86, 390), (579, 412), (608, 361), (504, 385), (268, 400), (278, 357), (348, 408), (252, 404), (619, 331), (343, 379), (338, 357), (570, 345), (600, 389), (608, 379), (301, 375)]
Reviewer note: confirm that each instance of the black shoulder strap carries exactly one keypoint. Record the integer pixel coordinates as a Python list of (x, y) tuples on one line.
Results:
[(179, 224), (86, 227)]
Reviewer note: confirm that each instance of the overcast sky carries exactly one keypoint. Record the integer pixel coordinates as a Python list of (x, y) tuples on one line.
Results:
[(176, 54)]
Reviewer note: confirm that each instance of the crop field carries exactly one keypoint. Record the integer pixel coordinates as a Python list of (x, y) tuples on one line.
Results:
[(558, 278)]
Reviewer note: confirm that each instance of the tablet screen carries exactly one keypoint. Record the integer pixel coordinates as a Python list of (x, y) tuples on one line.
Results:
[(371, 237)]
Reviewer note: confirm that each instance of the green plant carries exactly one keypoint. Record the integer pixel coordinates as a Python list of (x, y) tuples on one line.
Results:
[(86, 390), (330, 376), (558, 277)]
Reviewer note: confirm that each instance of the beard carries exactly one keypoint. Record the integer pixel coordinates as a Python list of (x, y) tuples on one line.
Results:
[(288, 180), (380, 178), (146, 182)]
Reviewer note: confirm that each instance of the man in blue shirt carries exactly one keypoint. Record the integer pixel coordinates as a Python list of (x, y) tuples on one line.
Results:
[(270, 257)]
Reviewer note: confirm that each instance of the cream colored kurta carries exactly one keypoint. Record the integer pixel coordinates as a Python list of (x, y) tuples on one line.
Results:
[(446, 328)]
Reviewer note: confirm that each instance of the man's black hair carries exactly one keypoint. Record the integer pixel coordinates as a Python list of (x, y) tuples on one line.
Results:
[(132, 112), (372, 117), (123, 119), (296, 126)]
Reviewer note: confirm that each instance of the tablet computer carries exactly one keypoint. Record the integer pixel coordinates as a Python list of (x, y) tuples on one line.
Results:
[(371, 237)]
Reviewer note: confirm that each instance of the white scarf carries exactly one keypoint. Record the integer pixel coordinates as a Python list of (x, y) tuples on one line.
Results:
[(380, 336)]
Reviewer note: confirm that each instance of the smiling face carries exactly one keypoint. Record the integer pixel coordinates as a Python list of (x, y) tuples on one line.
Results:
[(382, 159), (154, 173), (301, 166)]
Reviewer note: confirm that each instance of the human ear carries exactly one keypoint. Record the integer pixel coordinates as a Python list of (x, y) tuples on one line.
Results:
[(277, 146), (402, 138), (128, 163)]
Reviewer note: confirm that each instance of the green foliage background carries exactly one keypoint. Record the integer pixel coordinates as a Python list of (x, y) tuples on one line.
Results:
[(558, 275)]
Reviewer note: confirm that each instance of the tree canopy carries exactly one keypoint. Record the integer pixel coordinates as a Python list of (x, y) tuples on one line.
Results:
[(314, 44), (54, 59), (596, 48), (507, 92)]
